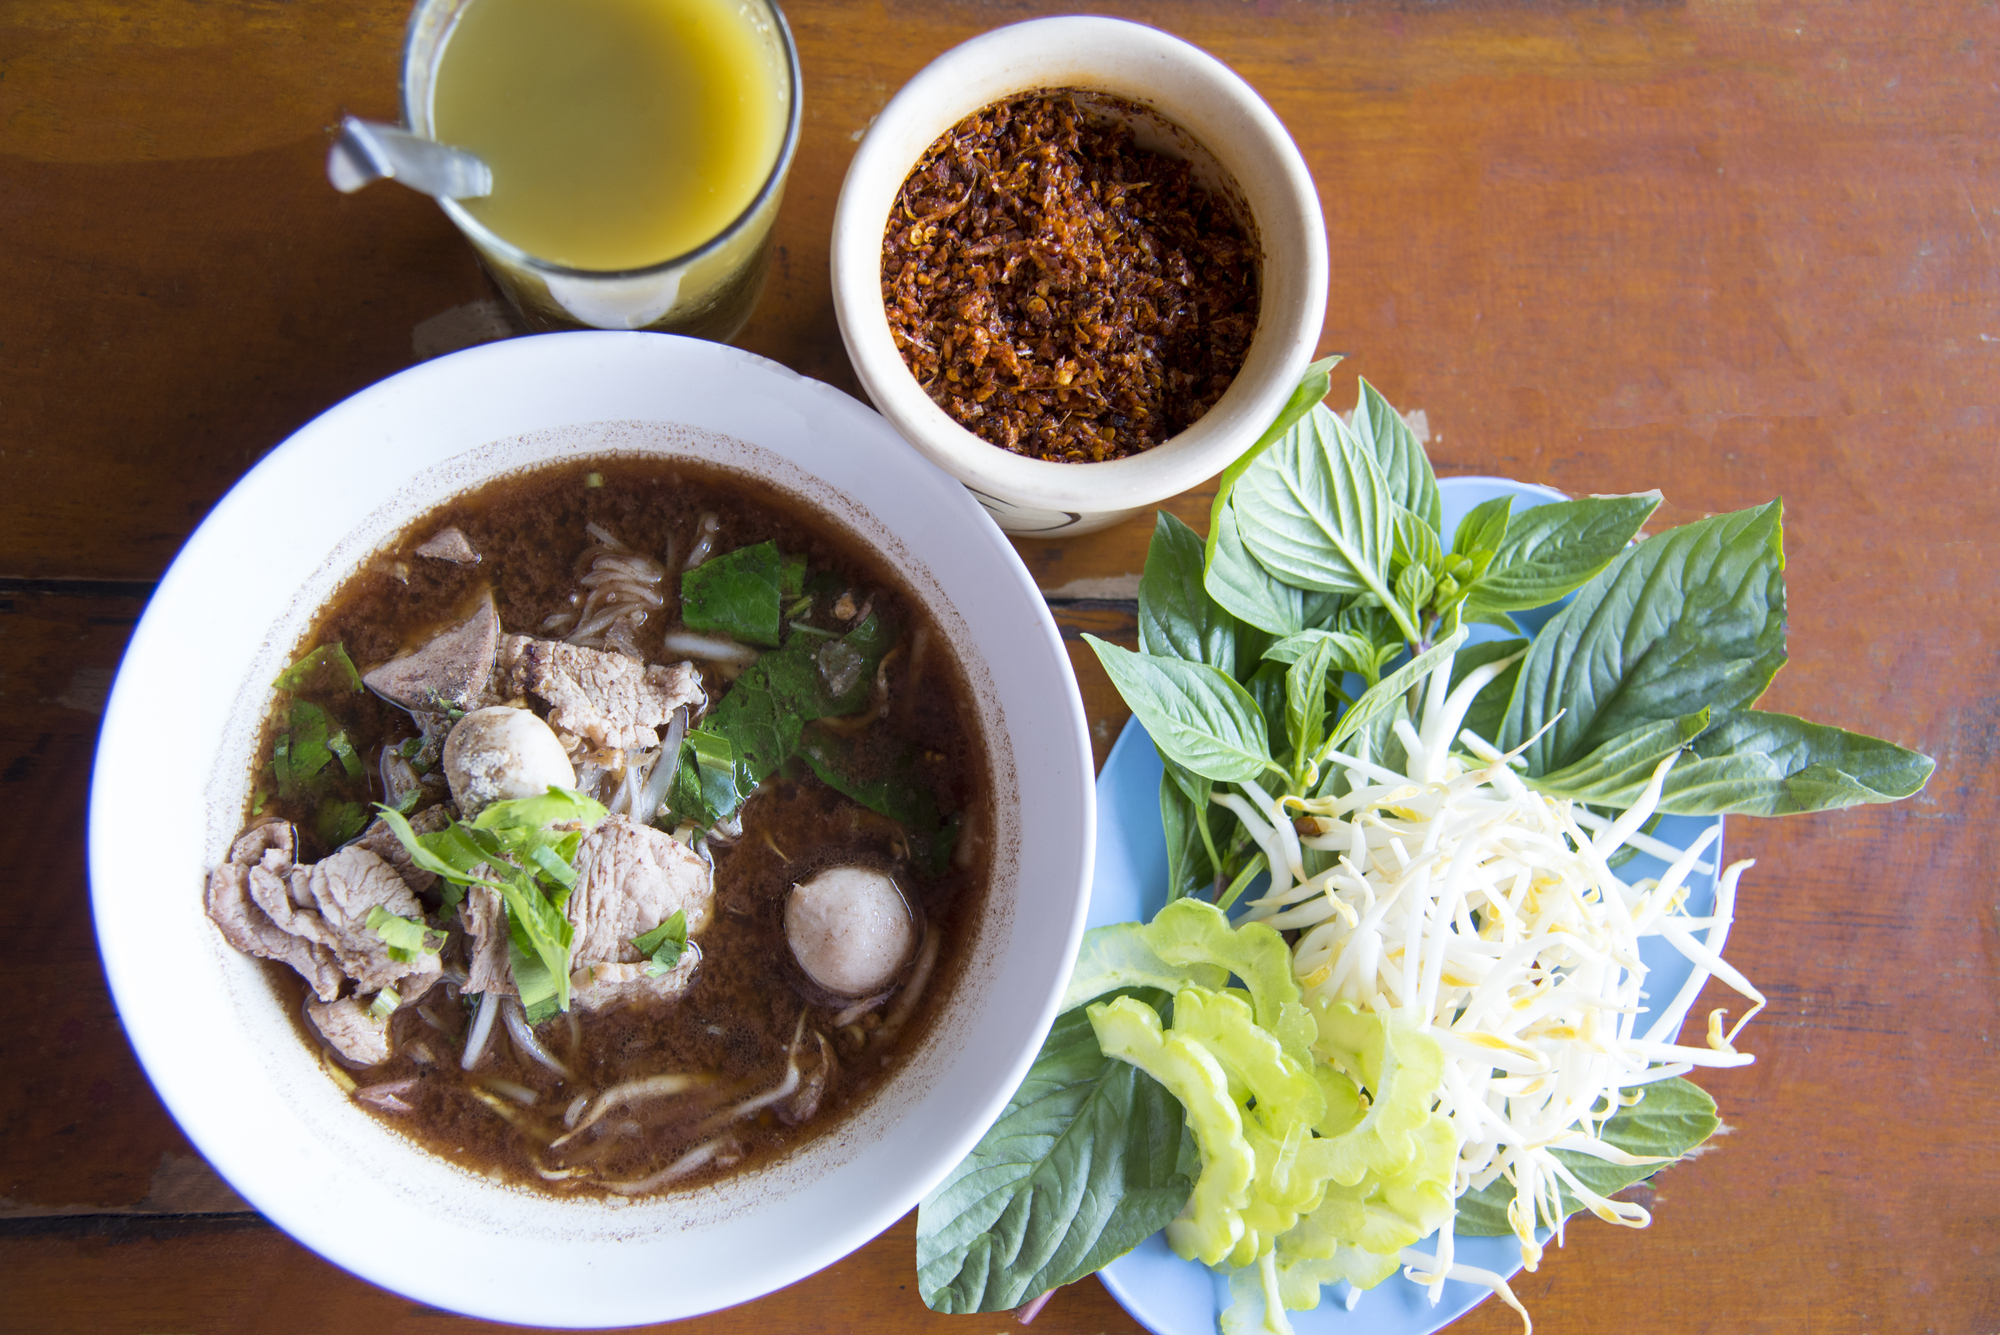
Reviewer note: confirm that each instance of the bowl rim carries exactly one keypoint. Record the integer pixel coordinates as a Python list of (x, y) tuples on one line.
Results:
[(591, 1265), (1016, 59)]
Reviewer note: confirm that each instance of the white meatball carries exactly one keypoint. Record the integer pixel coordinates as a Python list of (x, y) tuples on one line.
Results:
[(500, 753), (851, 930)]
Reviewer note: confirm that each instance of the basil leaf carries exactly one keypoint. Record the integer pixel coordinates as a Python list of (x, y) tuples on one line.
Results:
[(1245, 589), (1483, 527), (1089, 1159), (1617, 772), (1305, 696), (1489, 707), (1672, 1118), (1763, 764), (1385, 694), (1351, 653), (738, 594), (1416, 542), (1316, 512), (1552, 549), (1692, 618), (1382, 430), (1177, 618), (1312, 388), (1188, 867), (1198, 716)]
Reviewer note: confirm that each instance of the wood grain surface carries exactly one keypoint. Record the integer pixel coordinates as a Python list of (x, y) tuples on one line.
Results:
[(1729, 248)]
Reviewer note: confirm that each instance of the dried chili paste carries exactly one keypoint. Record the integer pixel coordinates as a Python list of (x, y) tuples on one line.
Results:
[(1061, 292)]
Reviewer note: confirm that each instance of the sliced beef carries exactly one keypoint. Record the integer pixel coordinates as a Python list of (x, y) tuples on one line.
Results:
[(351, 1030), (607, 699), (380, 840), (484, 914), (328, 903), (262, 857), (630, 878), (450, 544), (600, 987), (450, 670)]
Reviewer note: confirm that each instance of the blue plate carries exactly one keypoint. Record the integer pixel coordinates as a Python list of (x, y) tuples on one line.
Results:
[(1170, 1296)]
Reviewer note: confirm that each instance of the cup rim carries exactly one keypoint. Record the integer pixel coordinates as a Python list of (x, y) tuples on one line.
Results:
[(486, 239), (957, 83)]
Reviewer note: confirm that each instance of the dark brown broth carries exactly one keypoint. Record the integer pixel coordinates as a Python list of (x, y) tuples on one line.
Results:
[(739, 1017)]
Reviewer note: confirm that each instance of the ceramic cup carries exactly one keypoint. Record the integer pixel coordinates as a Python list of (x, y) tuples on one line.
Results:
[(1191, 106)]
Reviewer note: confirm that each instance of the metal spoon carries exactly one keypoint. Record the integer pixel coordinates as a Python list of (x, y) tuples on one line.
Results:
[(369, 150)]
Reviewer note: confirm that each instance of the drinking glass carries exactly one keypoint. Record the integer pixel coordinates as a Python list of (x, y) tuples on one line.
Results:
[(707, 292)]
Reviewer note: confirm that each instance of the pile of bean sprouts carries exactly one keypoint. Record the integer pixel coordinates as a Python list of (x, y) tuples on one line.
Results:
[(1491, 914)]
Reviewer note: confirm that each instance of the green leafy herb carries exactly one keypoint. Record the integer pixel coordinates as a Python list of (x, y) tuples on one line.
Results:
[(741, 593), (525, 849), (664, 945), (326, 664), (406, 937), (1198, 716), (756, 728), (1550, 550), (1089, 1158)]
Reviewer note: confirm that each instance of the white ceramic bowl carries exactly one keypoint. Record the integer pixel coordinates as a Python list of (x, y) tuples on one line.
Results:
[(173, 771), (1212, 118)]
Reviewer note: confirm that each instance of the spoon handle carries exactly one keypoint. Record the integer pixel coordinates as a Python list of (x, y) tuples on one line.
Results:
[(368, 151)]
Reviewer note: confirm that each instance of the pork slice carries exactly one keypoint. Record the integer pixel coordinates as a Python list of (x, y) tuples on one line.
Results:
[(272, 844), (602, 987), (450, 670), (351, 1029), (609, 700), (342, 889), (246, 926), (630, 878), (380, 840), (450, 544), (484, 914)]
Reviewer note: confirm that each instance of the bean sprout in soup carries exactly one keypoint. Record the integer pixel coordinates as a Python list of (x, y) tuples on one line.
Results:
[(617, 828)]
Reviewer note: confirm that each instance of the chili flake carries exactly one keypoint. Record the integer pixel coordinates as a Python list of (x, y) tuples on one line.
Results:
[(1060, 292)]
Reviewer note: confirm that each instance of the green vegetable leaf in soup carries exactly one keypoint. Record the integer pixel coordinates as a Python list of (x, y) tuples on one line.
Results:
[(740, 594)]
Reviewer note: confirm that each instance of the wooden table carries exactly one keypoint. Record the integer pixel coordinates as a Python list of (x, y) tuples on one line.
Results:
[(1729, 248)]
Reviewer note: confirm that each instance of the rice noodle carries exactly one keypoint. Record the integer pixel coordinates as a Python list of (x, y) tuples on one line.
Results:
[(482, 1030), (514, 1090), (708, 648), (704, 542), (621, 588), (913, 990), (859, 1009), (525, 1040), (631, 1091), (723, 1151)]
